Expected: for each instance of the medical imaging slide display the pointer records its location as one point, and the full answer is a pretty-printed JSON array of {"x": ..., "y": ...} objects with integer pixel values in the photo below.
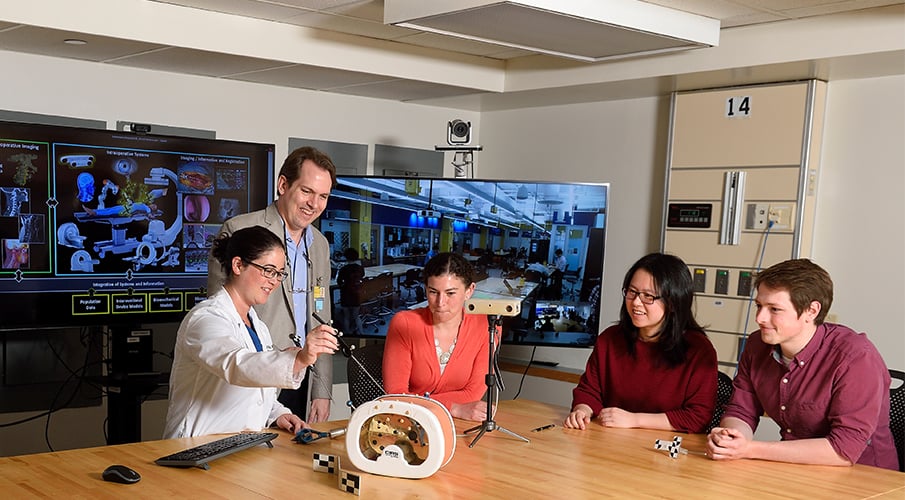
[{"x": 122, "y": 228}]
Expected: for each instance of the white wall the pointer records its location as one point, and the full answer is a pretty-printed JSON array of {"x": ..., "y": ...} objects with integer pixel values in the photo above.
[{"x": 860, "y": 234}]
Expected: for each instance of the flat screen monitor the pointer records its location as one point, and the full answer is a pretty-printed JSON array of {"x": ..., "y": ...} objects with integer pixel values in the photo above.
[
  {"x": 511, "y": 231},
  {"x": 103, "y": 227}
]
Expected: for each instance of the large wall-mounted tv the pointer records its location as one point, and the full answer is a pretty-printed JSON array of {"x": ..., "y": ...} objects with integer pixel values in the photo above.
[
  {"x": 510, "y": 230},
  {"x": 102, "y": 227}
]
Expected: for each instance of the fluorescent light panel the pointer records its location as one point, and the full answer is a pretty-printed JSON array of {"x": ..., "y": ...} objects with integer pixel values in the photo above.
[{"x": 587, "y": 30}]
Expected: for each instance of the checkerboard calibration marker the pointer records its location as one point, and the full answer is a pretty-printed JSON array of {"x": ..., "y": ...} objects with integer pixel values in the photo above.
[
  {"x": 350, "y": 483},
  {"x": 325, "y": 463},
  {"x": 674, "y": 447},
  {"x": 346, "y": 481}
]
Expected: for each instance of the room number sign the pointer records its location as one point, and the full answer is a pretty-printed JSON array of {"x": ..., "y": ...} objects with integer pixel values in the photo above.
[{"x": 738, "y": 107}]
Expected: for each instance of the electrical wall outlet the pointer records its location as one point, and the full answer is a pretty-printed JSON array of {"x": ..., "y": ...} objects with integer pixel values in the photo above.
[{"x": 756, "y": 216}]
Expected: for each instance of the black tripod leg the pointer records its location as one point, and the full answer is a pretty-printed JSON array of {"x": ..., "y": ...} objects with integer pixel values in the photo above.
[{"x": 493, "y": 380}]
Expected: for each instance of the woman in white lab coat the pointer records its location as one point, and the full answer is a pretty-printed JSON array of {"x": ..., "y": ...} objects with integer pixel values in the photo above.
[{"x": 226, "y": 371}]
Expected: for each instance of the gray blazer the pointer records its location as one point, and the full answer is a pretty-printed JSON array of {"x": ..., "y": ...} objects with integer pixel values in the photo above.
[{"x": 277, "y": 312}]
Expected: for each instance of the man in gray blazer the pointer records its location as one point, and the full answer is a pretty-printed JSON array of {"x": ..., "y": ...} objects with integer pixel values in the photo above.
[{"x": 303, "y": 186}]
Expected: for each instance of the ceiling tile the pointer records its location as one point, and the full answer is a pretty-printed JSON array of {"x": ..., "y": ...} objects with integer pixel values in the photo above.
[
  {"x": 404, "y": 90},
  {"x": 749, "y": 19},
  {"x": 349, "y": 25},
  {"x": 197, "y": 62},
  {"x": 716, "y": 9},
  {"x": 247, "y": 8},
  {"x": 797, "y": 10},
  {"x": 320, "y": 4},
  {"x": 45, "y": 41},
  {"x": 309, "y": 77},
  {"x": 781, "y": 5},
  {"x": 370, "y": 10}
]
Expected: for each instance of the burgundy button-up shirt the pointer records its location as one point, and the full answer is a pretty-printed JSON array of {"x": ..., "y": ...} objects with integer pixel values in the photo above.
[{"x": 836, "y": 388}]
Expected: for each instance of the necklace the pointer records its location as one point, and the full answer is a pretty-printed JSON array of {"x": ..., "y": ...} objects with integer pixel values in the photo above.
[{"x": 444, "y": 356}]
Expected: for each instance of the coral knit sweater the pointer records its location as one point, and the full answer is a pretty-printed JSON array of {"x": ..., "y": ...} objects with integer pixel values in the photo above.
[
  {"x": 639, "y": 384},
  {"x": 410, "y": 364}
]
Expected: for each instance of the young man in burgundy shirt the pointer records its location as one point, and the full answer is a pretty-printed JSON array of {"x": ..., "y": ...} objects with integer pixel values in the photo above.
[{"x": 825, "y": 385}]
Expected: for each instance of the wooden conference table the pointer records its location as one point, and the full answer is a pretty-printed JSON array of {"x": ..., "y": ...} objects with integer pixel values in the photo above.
[{"x": 557, "y": 463}]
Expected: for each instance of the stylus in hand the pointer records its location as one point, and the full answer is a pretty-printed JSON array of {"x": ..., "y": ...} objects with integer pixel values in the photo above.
[{"x": 344, "y": 348}]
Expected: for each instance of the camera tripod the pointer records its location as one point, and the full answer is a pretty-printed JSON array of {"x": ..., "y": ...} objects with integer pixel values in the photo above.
[{"x": 494, "y": 382}]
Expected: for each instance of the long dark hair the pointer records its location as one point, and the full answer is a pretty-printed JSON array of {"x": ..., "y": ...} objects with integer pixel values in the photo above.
[
  {"x": 247, "y": 243},
  {"x": 674, "y": 286}
]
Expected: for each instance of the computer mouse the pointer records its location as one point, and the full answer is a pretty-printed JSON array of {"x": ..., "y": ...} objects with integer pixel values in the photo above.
[{"x": 120, "y": 474}]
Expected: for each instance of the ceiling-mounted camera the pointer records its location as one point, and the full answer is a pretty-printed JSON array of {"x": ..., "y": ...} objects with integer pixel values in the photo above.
[{"x": 458, "y": 133}]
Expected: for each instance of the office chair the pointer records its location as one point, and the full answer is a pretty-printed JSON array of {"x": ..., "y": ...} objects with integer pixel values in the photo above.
[
  {"x": 572, "y": 277},
  {"x": 385, "y": 295},
  {"x": 361, "y": 388},
  {"x": 723, "y": 394},
  {"x": 412, "y": 286},
  {"x": 369, "y": 302},
  {"x": 897, "y": 415}
]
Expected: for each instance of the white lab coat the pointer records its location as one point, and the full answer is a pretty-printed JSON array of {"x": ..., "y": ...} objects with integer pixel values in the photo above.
[{"x": 219, "y": 382}]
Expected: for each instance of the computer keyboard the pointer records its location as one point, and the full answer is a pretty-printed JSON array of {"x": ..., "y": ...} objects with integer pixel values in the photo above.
[{"x": 199, "y": 456}]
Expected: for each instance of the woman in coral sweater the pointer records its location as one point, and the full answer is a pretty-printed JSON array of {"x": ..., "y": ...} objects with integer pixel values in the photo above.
[
  {"x": 655, "y": 369},
  {"x": 439, "y": 350}
]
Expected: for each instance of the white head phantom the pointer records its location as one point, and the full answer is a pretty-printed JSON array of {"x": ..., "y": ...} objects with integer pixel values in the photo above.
[{"x": 401, "y": 436}]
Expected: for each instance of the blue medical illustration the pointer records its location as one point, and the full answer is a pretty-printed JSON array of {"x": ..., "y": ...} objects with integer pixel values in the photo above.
[{"x": 85, "y": 183}]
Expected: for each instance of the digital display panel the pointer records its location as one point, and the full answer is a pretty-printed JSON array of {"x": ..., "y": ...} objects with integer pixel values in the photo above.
[{"x": 103, "y": 227}]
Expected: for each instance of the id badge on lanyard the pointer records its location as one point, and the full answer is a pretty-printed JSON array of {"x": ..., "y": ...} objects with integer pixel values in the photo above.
[{"x": 319, "y": 295}]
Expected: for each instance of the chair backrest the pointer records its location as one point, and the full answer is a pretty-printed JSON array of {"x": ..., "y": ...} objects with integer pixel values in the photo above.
[
  {"x": 386, "y": 282},
  {"x": 371, "y": 288},
  {"x": 723, "y": 394},
  {"x": 412, "y": 277},
  {"x": 361, "y": 386},
  {"x": 572, "y": 274},
  {"x": 897, "y": 414}
]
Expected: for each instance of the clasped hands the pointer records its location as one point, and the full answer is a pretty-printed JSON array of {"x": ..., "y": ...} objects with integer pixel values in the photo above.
[{"x": 726, "y": 443}]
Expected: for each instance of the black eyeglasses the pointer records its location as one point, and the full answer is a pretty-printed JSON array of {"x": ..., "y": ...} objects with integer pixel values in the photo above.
[
  {"x": 646, "y": 298},
  {"x": 269, "y": 272}
]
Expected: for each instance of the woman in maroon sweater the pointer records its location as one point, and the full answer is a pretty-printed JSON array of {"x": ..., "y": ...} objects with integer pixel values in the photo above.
[{"x": 655, "y": 369}]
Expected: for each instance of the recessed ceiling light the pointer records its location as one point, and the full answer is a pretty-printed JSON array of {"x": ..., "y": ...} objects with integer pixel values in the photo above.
[{"x": 74, "y": 41}]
